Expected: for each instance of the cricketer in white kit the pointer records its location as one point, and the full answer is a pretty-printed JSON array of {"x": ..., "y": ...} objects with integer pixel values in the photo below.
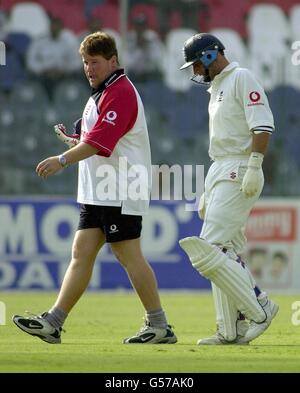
[{"x": 240, "y": 126}]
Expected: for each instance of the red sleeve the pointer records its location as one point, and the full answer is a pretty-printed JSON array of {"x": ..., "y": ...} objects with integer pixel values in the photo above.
[{"x": 118, "y": 112}]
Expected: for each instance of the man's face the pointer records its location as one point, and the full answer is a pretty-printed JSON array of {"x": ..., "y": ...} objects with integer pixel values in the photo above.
[
  {"x": 213, "y": 68},
  {"x": 198, "y": 68},
  {"x": 200, "y": 72},
  {"x": 97, "y": 68}
]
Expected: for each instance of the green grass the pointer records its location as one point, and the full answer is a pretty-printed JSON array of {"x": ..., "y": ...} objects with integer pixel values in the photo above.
[{"x": 99, "y": 322}]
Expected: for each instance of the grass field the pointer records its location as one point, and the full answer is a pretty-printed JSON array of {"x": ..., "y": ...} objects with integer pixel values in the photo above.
[{"x": 96, "y": 327}]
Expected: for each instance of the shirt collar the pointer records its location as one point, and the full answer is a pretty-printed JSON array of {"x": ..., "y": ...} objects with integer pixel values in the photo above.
[
  {"x": 109, "y": 80},
  {"x": 231, "y": 66}
]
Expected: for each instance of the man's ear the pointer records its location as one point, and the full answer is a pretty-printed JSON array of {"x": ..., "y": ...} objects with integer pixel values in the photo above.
[{"x": 114, "y": 60}]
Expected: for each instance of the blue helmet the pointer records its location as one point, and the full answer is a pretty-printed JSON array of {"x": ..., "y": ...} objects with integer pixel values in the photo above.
[{"x": 201, "y": 47}]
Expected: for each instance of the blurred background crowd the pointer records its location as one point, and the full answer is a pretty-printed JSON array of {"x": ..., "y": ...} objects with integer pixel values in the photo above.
[{"x": 42, "y": 83}]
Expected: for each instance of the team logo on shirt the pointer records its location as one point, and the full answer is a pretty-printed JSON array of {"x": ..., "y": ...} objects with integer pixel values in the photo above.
[
  {"x": 255, "y": 98},
  {"x": 110, "y": 117},
  {"x": 220, "y": 96}
]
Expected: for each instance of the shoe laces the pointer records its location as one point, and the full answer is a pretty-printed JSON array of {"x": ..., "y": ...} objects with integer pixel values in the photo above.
[
  {"x": 147, "y": 326},
  {"x": 36, "y": 316},
  {"x": 218, "y": 334},
  {"x": 41, "y": 316}
]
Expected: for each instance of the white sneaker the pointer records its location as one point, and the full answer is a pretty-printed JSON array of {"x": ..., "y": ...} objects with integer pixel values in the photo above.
[
  {"x": 218, "y": 338},
  {"x": 38, "y": 326},
  {"x": 151, "y": 335},
  {"x": 256, "y": 329}
]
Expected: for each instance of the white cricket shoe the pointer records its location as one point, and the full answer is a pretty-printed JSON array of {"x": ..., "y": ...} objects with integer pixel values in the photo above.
[
  {"x": 256, "y": 329},
  {"x": 152, "y": 335},
  {"x": 218, "y": 338},
  {"x": 38, "y": 326}
]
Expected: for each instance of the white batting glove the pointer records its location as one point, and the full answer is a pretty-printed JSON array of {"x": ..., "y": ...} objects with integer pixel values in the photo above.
[
  {"x": 254, "y": 177},
  {"x": 61, "y": 132}
]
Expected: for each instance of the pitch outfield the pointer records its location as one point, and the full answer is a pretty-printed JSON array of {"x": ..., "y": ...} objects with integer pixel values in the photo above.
[{"x": 97, "y": 325}]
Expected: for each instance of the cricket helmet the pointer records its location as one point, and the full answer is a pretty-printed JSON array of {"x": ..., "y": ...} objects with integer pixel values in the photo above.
[{"x": 201, "y": 47}]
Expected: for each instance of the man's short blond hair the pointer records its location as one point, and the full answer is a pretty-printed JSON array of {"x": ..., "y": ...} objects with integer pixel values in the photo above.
[{"x": 99, "y": 43}]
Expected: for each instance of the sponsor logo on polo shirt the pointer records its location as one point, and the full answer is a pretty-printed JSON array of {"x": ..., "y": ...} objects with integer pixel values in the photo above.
[
  {"x": 110, "y": 117},
  {"x": 255, "y": 98}
]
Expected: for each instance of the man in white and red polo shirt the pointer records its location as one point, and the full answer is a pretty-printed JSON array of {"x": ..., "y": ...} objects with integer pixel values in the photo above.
[{"x": 113, "y": 189}]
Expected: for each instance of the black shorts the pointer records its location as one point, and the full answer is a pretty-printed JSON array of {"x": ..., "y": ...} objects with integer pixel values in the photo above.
[{"x": 115, "y": 226}]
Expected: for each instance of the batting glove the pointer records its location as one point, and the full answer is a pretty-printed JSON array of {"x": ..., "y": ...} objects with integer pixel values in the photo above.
[
  {"x": 61, "y": 132},
  {"x": 254, "y": 178}
]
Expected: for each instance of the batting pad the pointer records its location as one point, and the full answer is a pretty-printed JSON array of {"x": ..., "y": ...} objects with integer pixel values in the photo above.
[
  {"x": 227, "y": 314},
  {"x": 226, "y": 274}
]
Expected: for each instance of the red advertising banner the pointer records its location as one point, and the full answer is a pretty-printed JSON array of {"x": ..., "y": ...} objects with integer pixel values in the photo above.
[
  {"x": 272, "y": 224},
  {"x": 273, "y": 248}
]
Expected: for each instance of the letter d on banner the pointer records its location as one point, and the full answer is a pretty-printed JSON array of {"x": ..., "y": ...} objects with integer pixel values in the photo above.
[
  {"x": 2, "y": 53},
  {"x": 2, "y": 313}
]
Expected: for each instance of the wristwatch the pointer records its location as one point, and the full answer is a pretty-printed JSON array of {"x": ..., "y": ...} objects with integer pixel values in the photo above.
[{"x": 62, "y": 160}]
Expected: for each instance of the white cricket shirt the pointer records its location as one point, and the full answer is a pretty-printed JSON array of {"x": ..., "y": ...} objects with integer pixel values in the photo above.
[{"x": 238, "y": 106}]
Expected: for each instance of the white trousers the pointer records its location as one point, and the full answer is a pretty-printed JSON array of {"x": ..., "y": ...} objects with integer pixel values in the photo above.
[
  {"x": 226, "y": 208},
  {"x": 226, "y": 213}
]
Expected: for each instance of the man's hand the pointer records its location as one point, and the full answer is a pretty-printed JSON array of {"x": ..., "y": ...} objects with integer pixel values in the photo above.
[
  {"x": 48, "y": 167},
  {"x": 254, "y": 178},
  {"x": 61, "y": 132}
]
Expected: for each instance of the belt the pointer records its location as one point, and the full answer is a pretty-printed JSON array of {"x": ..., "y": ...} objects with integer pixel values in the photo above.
[{"x": 232, "y": 157}]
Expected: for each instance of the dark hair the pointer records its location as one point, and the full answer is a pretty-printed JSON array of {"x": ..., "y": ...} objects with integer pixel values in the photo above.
[{"x": 99, "y": 43}]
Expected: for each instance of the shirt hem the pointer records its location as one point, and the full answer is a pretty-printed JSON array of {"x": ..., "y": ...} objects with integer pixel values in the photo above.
[{"x": 125, "y": 210}]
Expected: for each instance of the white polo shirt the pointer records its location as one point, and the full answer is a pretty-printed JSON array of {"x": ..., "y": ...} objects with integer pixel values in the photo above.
[
  {"x": 119, "y": 174},
  {"x": 238, "y": 107}
]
